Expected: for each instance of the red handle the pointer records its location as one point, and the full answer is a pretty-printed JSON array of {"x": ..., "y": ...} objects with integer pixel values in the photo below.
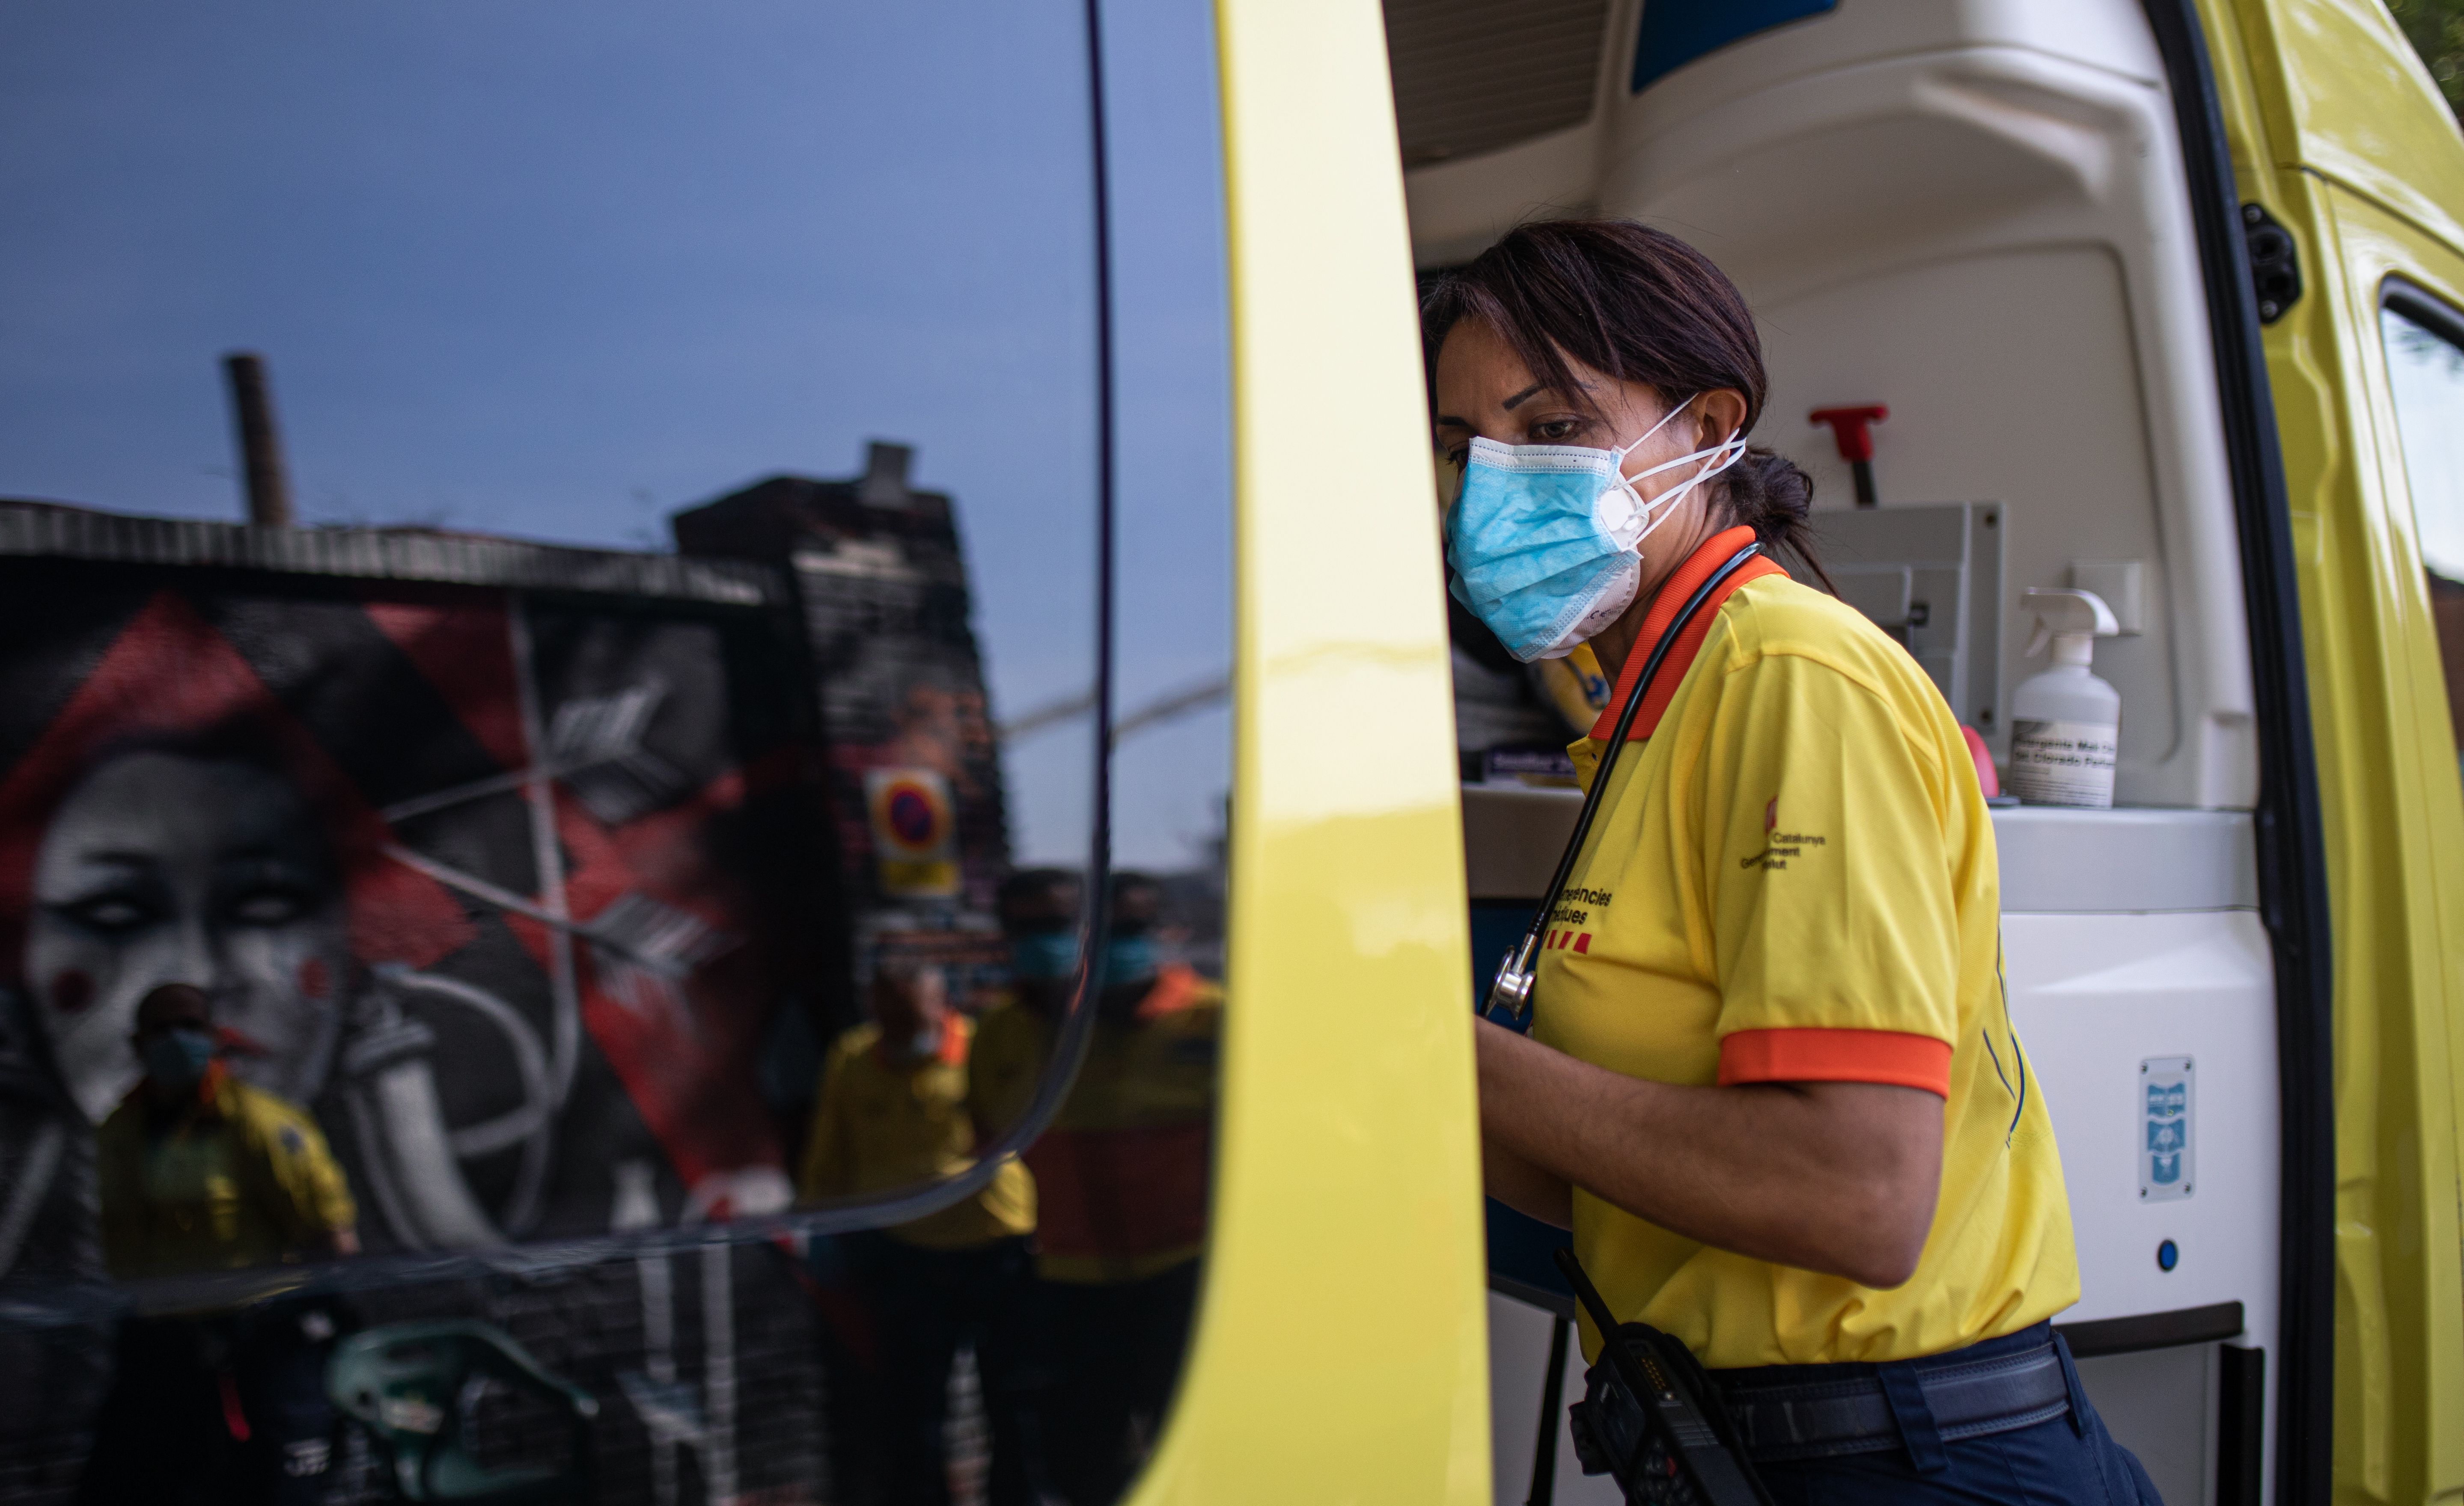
[{"x": 1849, "y": 427}]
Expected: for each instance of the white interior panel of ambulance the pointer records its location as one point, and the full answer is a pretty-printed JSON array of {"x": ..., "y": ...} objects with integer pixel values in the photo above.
[{"x": 1974, "y": 214}]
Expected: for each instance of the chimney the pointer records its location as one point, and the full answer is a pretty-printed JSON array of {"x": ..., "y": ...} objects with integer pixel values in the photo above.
[
  {"x": 885, "y": 475},
  {"x": 260, "y": 447}
]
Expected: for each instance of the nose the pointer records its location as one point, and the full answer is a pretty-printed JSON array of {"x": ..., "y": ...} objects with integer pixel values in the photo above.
[{"x": 200, "y": 957}]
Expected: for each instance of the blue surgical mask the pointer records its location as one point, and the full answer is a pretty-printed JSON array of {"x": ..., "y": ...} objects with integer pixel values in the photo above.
[
  {"x": 1546, "y": 539},
  {"x": 1127, "y": 960},
  {"x": 1044, "y": 956},
  {"x": 177, "y": 1058}
]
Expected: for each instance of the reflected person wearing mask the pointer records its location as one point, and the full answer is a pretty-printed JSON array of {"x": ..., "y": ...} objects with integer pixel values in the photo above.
[
  {"x": 892, "y": 1113},
  {"x": 1121, "y": 1173},
  {"x": 201, "y": 1172}
]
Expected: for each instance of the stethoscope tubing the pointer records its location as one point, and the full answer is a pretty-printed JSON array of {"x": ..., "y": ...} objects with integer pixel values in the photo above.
[{"x": 1519, "y": 961}]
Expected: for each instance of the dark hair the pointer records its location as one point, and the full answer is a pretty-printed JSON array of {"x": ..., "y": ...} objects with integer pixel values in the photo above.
[
  {"x": 188, "y": 1000},
  {"x": 1028, "y": 885},
  {"x": 1641, "y": 306},
  {"x": 1138, "y": 900}
]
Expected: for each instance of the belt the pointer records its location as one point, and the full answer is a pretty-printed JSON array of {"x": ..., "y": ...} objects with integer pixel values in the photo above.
[{"x": 1843, "y": 1414}]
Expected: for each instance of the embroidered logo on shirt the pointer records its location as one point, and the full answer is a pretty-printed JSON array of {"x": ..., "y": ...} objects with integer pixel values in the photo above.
[{"x": 1779, "y": 846}]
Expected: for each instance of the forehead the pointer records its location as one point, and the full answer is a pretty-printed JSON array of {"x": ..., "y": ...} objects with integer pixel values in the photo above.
[
  {"x": 1059, "y": 894},
  {"x": 153, "y": 1010},
  {"x": 1478, "y": 370},
  {"x": 170, "y": 804}
]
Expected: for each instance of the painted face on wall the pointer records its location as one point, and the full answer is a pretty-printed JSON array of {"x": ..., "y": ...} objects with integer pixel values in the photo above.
[{"x": 168, "y": 867}]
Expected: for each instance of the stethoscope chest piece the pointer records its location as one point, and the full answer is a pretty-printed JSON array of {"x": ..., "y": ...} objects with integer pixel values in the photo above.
[{"x": 1509, "y": 994}]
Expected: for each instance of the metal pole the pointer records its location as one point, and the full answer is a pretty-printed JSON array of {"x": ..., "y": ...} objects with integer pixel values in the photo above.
[
  {"x": 1552, "y": 1394},
  {"x": 260, "y": 447}
]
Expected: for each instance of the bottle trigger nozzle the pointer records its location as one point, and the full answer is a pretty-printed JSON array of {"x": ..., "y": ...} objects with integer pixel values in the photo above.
[{"x": 2071, "y": 620}]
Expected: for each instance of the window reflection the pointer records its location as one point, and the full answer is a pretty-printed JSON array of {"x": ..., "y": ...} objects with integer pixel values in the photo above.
[
  {"x": 1059, "y": 1297},
  {"x": 631, "y": 806},
  {"x": 2425, "y": 375}
]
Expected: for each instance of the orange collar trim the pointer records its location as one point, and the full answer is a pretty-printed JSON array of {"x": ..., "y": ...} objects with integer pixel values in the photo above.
[
  {"x": 952, "y": 1052},
  {"x": 1698, "y": 566},
  {"x": 1176, "y": 987}
]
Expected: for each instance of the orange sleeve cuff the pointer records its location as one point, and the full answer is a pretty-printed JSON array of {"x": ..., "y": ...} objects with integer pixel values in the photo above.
[{"x": 1807, "y": 1054}]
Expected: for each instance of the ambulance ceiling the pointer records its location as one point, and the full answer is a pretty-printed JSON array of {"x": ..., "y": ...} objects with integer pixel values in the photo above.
[{"x": 1475, "y": 75}]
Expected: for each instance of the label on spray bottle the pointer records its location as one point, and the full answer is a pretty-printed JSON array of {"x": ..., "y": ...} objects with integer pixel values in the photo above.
[{"x": 2062, "y": 763}]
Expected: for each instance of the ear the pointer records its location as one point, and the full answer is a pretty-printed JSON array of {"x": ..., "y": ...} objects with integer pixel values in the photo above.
[{"x": 1724, "y": 413}]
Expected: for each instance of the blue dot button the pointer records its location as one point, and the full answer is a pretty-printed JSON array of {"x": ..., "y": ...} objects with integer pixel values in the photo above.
[{"x": 2169, "y": 1254}]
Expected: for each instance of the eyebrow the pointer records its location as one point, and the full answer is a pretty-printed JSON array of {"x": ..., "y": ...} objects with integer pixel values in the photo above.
[
  {"x": 1449, "y": 421},
  {"x": 121, "y": 858}
]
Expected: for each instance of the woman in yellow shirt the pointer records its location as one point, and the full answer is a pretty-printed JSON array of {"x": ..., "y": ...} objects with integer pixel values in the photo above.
[{"x": 1770, "y": 1084}]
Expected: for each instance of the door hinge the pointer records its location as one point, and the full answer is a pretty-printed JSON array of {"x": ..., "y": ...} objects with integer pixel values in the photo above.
[{"x": 2274, "y": 263}]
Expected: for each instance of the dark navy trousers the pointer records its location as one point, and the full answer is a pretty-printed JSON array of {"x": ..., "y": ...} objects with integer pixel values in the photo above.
[{"x": 2068, "y": 1461}]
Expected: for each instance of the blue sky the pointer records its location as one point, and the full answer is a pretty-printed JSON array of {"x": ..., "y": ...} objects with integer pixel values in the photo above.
[{"x": 521, "y": 274}]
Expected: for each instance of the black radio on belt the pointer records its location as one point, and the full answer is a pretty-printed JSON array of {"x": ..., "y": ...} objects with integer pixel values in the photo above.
[{"x": 1650, "y": 1419}]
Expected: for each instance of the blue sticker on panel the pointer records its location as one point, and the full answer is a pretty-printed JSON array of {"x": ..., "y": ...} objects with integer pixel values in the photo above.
[
  {"x": 2167, "y": 1127},
  {"x": 1677, "y": 31}
]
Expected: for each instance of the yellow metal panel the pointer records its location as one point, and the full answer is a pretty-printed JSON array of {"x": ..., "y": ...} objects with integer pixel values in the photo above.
[
  {"x": 2346, "y": 96},
  {"x": 2333, "y": 130},
  {"x": 1341, "y": 1352},
  {"x": 2396, "y": 1111}
]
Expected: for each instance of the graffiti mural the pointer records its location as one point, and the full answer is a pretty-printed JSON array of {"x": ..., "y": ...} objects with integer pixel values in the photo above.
[{"x": 504, "y": 888}]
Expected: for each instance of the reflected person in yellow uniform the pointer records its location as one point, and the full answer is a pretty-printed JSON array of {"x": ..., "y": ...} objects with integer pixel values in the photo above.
[
  {"x": 1120, "y": 1174},
  {"x": 1771, "y": 1084},
  {"x": 892, "y": 1113},
  {"x": 200, "y": 1172}
]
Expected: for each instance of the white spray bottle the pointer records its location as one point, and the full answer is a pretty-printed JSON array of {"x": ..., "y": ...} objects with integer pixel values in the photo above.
[{"x": 2065, "y": 723}]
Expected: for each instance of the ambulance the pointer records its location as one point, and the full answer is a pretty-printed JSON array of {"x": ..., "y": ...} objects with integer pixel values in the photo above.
[{"x": 617, "y": 747}]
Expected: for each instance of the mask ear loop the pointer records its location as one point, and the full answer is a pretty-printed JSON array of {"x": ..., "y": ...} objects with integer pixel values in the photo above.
[
  {"x": 1657, "y": 510},
  {"x": 1728, "y": 451}
]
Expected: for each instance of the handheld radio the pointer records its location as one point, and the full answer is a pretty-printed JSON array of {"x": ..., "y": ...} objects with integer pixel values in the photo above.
[{"x": 1651, "y": 1420}]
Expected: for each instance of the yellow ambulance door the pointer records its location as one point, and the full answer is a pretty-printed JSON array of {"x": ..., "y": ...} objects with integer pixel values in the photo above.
[{"x": 2351, "y": 176}]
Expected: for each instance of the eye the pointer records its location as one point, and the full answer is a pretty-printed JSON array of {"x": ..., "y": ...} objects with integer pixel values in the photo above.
[
  {"x": 112, "y": 913},
  {"x": 269, "y": 908},
  {"x": 1556, "y": 431}
]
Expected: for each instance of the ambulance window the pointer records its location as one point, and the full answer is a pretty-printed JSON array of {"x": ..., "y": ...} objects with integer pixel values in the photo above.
[
  {"x": 551, "y": 598},
  {"x": 2425, "y": 349}
]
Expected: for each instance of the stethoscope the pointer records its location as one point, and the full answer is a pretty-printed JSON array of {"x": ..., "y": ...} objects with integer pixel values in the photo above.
[{"x": 1511, "y": 991}]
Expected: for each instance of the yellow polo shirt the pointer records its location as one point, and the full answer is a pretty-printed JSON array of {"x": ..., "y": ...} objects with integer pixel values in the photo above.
[
  {"x": 880, "y": 1124},
  {"x": 1793, "y": 878},
  {"x": 239, "y": 1178}
]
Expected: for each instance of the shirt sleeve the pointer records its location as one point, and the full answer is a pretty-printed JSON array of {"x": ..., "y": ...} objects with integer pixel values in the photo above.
[
  {"x": 120, "y": 1170},
  {"x": 1001, "y": 1070},
  {"x": 1835, "y": 927},
  {"x": 316, "y": 1196},
  {"x": 824, "y": 1172}
]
